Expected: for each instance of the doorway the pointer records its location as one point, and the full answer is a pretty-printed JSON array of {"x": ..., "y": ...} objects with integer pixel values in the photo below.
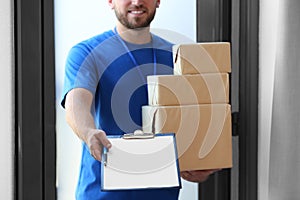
[{"x": 36, "y": 100}]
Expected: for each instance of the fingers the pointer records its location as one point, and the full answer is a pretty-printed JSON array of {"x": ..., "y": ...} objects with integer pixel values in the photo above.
[
  {"x": 96, "y": 141},
  {"x": 186, "y": 175},
  {"x": 192, "y": 177},
  {"x": 96, "y": 153},
  {"x": 103, "y": 139},
  {"x": 197, "y": 175}
]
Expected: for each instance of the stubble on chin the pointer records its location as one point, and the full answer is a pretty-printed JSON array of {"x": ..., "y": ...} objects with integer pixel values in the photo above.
[{"x": 135, "y": 22}]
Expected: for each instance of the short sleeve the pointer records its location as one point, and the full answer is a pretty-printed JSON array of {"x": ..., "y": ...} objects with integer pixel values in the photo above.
[{"x": 80, "y": 70}]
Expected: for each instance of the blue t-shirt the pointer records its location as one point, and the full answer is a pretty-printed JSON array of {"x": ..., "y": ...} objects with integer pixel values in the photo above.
[{"x": 115, "y": 72}]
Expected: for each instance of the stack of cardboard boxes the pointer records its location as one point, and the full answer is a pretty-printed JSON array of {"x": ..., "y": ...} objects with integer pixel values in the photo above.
[{"x": 194, "y": 104}]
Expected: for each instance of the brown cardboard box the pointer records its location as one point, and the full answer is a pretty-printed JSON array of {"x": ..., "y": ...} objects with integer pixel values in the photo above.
[
  {"x": 188, "y": 89},
  {"x": 202, "y": 58},
  {"x": 203, "y": 133}
]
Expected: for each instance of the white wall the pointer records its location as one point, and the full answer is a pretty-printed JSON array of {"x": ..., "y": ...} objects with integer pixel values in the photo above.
[
  {"x": 76, "y": 20},
  {"x": 268, "y": 39},
  {"x": 6, "y": 100}
]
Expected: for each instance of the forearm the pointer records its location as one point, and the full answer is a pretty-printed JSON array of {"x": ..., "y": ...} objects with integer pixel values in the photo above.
[
  {"x": 82, "y": 123},
  {"x": 79, "y": 117},
  {"x": 78, "y": 114}
]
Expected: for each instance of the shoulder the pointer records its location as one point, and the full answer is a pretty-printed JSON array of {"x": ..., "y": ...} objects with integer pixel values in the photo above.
[
  {"x": 90, "y": 46},
  {"x": 93, "y": 42}
]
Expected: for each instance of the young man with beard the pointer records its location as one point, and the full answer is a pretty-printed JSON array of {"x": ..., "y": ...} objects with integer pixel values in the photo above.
[{"x": 105, "y": 87}]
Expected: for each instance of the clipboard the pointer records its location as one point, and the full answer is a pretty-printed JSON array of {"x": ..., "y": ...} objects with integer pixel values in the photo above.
[{"x": 140, "y": 161}]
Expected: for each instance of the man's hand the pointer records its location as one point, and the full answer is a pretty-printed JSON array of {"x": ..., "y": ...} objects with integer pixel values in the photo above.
[
  {"x": 95, "y": 141},
  {"x": 197, "y": 176}
]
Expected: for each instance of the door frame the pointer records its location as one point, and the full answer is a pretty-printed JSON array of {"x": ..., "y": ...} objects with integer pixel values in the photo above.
[
  {"x": 220, "y": 20},
  {"x": 249, "y": 76},
  {"x": 35, "y": 161}
]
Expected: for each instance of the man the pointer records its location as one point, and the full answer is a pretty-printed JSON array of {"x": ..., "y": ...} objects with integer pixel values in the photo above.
[{"x": 105, "y": 88}]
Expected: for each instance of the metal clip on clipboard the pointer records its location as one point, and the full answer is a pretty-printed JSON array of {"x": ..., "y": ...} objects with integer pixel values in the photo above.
[{"x": 138, "y": 134}]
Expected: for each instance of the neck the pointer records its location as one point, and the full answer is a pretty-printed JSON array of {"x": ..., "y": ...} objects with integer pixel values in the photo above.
[{"x": 136, "y": 36}]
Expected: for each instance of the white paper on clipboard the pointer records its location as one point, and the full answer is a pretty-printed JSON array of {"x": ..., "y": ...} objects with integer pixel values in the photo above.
[{"x": 141, "y": 163}]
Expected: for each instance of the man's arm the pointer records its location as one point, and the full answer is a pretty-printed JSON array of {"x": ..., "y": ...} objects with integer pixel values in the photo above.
[{"x": 79, "y": 117}]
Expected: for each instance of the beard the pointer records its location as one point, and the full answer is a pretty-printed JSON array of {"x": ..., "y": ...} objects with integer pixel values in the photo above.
[{"x": 135, "y": 22}]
